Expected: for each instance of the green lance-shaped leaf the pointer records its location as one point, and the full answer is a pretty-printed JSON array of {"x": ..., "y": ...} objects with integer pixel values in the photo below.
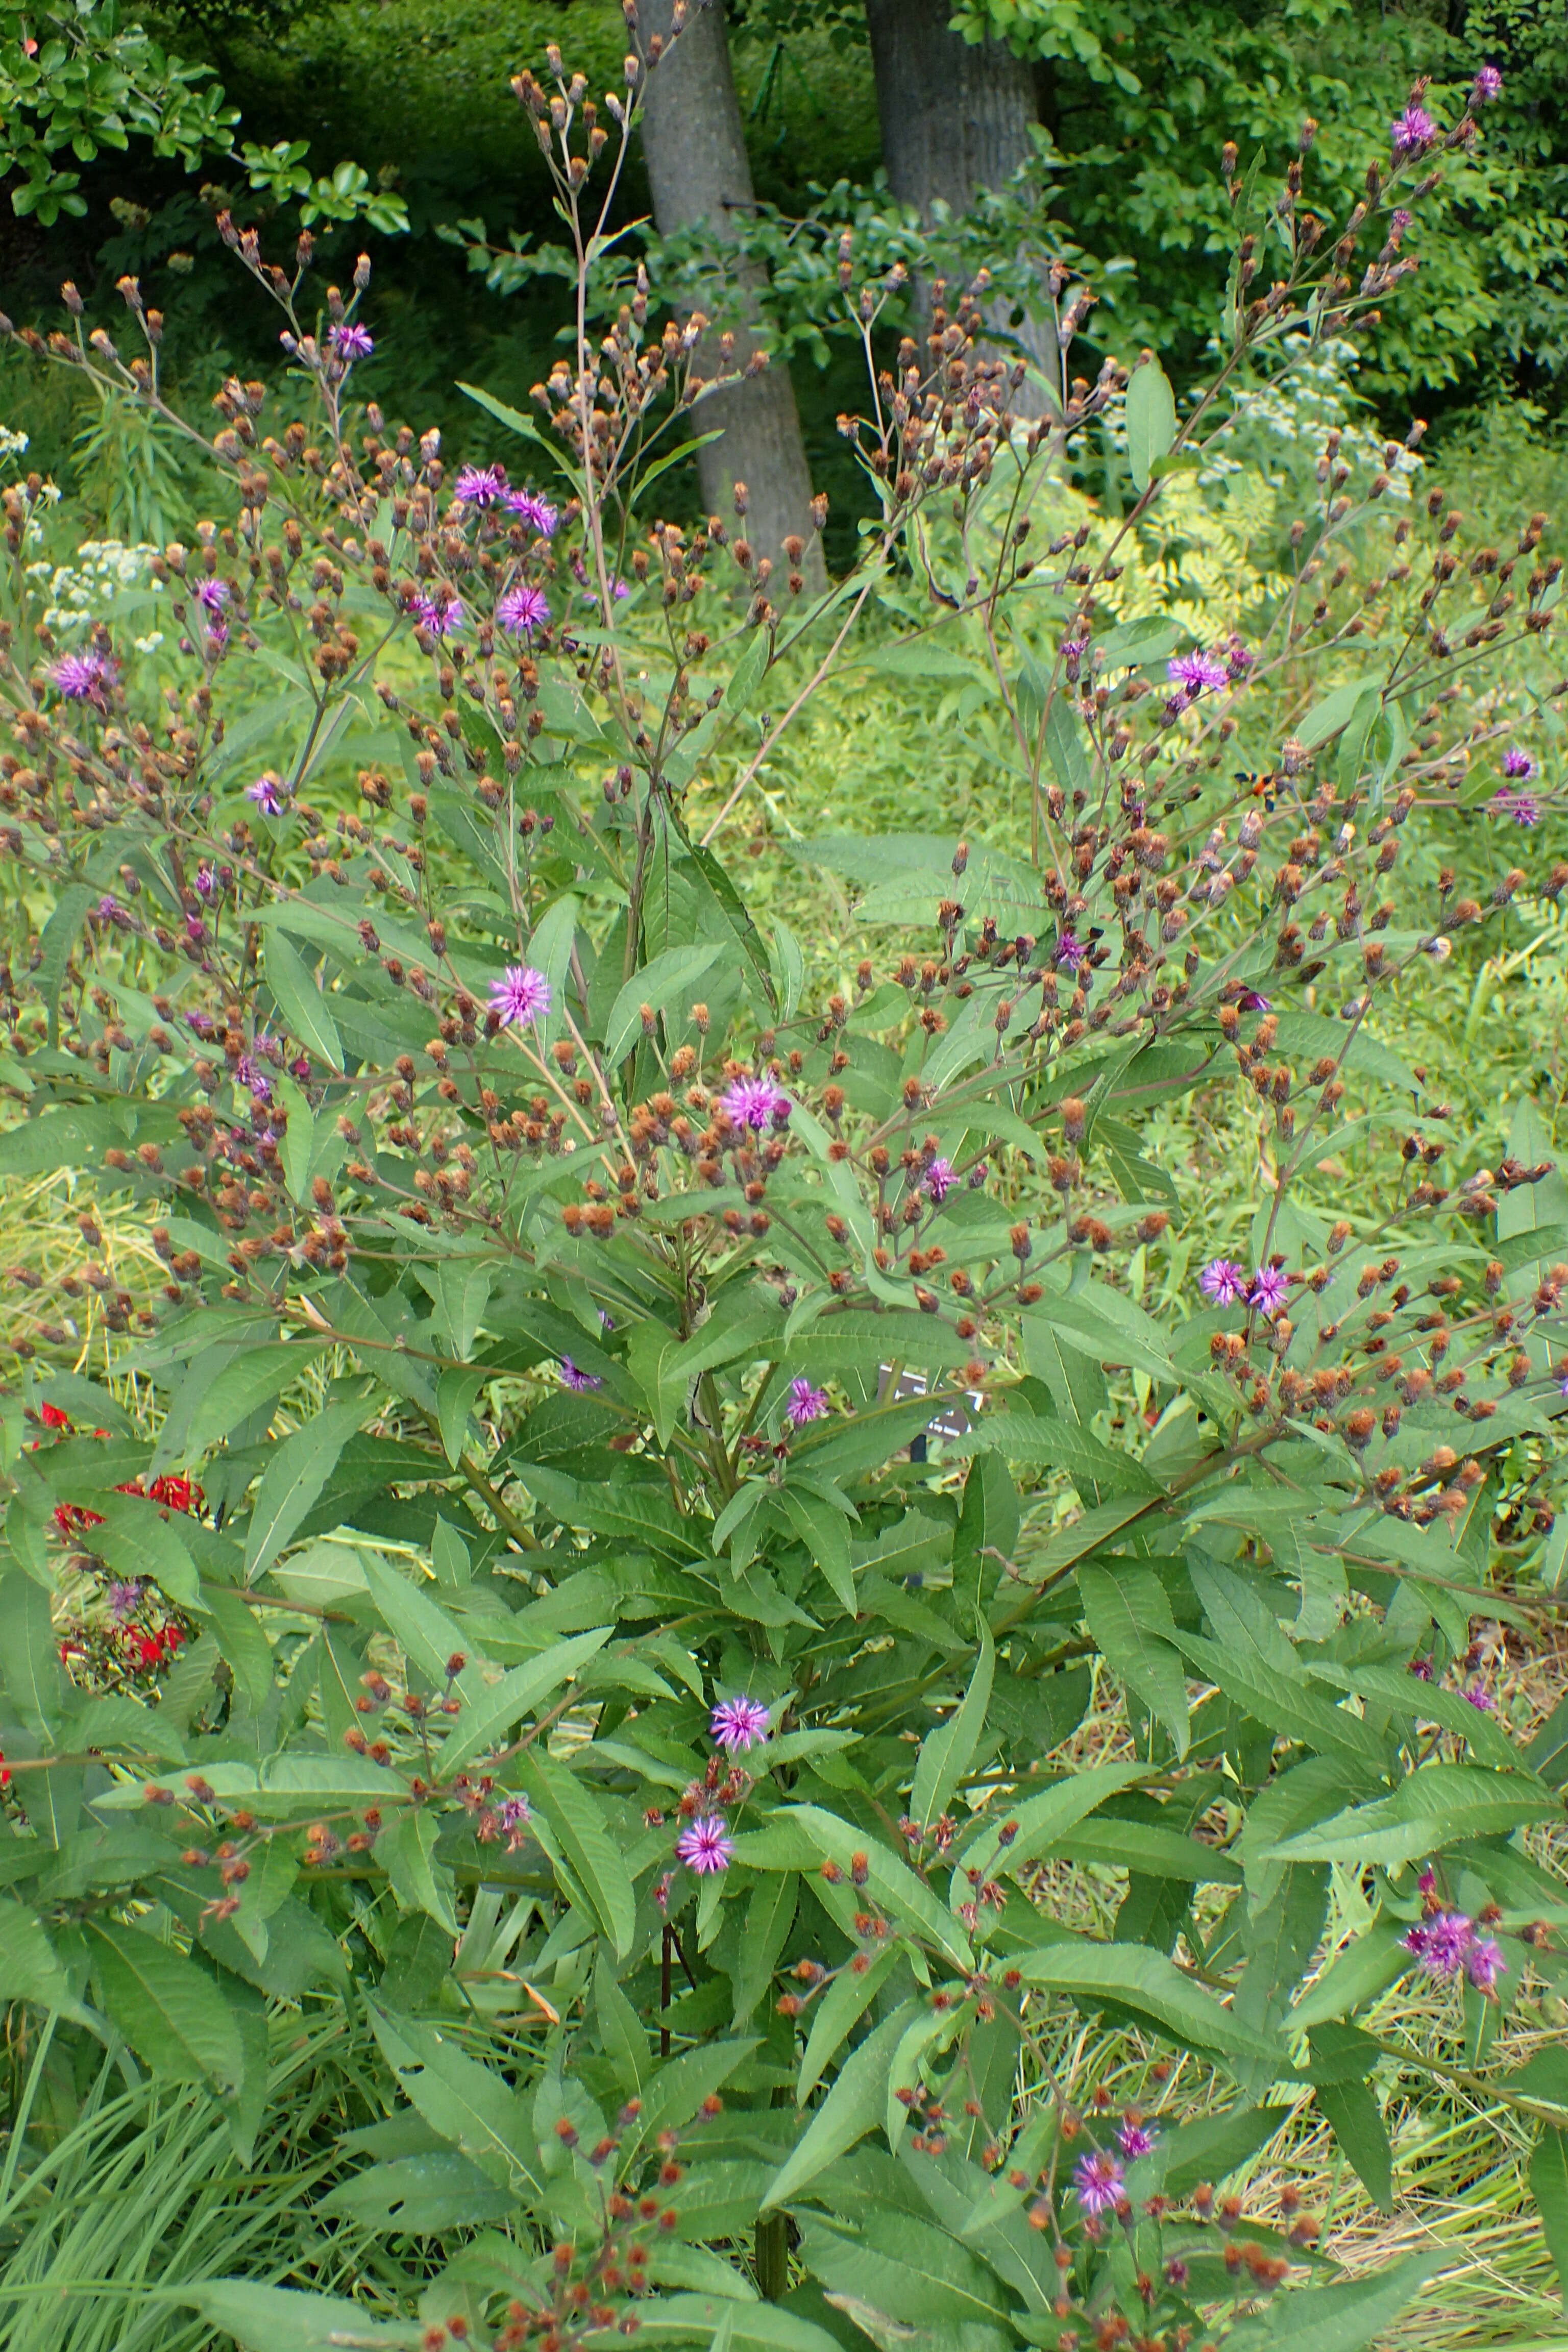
[
  {"x": 665, "y": 980},
  {"x": 467, "y": 2103},
  {"x": 487, "y": 1722},
  {"x": 170, "y": 2010},
  {"x": 946, "y": 1752},
  {"x": 301, "y": 1001},
  {"x": 1431, "y": 1808},
  {"x": 856, "y": 2104},
  {"x": 1345, "y": 2317},
  {"x": 1151, "y": 419},
  {"x": 1549, "y": 2187},
  {"x": 586, "y": 1846},
  {"x": 1129, "y": 1615},
  {"x": 282, "y": 2319},
  {"x": 293, "y": 1480},
  {"x": 1135, "y": 1978},
  {"x": 834, "y": 2015}
]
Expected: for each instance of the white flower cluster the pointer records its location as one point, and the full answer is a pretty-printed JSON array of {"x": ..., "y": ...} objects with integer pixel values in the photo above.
[
  {"x": 12, "y": 444},
  {"x": 83, "y": 590},
  {"x": 1307, "y": 402}
]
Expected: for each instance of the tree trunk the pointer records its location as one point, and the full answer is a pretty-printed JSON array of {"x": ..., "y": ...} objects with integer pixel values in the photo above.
[
  {"x": 699, "y": 173},
  {"x": 956, "y": 117}
]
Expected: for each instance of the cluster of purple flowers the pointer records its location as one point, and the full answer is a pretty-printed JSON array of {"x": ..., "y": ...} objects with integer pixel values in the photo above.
[
  {"x": 755, "y": 1102},
  {"x": 485, "y": 487},
  {"x": 1226, "y": 1284},
  {"x": 1446, "y": 1943}
]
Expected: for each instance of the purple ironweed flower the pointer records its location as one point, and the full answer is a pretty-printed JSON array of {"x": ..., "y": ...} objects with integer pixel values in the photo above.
[
  {"x": 705, "y": 1844},
  {"x": 1249, "y": 1001},
  {"x": 1177, "y": 2271},
  {"x": 202, "y": 1022},
  {"x": 1097, "y": 2181},
  {"x": 195, "y": 930},
  {"x": 81, "y": 677},
  {"x": 582, "y": 1383},
  {"x": 481, "y": 486},
  {"x": 349, "y": 341},
  {"x": 1238, "y": 659},
  {"x": 442, "y": 615},
  {"x": 212, "y": 594},
  {"x": 536, "y": 512},
  {"x": 269, "y": 792},
  {"x": 1523, "y": 807},
  {"x": 1414, "y": 130},
  {"x": 754, "y": 1101},
  {"x": 1481, "y": 1698},
  {"x": 217, "y": 635},
  {"x": 1441, "y": 1944},
  {"x": 1222, "y": 1281},
  {"x": 513, "y": 1814},
  {"x": 938, "y": 1179},
  {"x": 1517, "y": 763},
  {"x": 1270, "y": 1288},
  {"x": 1484, "y": 1963},
  {"x": 606, "y": 1322},
  {"x": 739, "y": 1724},
  {"x": 1073, "y": 652},
  {"x": 1194, "y": 671},
  {"x": 205, "y": 882},
  {"x": 300, "y": 1068},
  {"x": 108, "y": 907},
  {"x": 250, "y": 1073},
  {"x": 806, "y": 1403},
  {"x": 122, "y": 1599},
  {"x": 1428, "y": 1882},
  {"x": 523, "y": 609},
  {"x": 1069, "y": 952},
  {"x": 1488, "y": 85},
  {"x": 1134, "y": 2139},
  {"x": 521, "y": 994},
  {"x": 1422, "y": 1669}
]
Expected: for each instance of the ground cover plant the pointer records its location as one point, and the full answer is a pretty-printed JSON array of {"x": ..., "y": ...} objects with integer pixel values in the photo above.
[{"x": 773, "y": 1632}]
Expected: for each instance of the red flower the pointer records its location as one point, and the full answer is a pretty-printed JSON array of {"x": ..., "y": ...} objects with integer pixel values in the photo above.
[
  {"x": 173, "y": 1635},
  {"x": 151, "y": 1649},
  {"x": 53, "y": 1418},
  {"x": 179, "y": 1493},
  {"x": 72, "y": 1518},
  {"x": 5, "y": 1770}
]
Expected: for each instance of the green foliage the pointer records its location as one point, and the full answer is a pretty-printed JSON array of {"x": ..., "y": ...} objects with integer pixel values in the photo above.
[{"x": 562, "y": 1543}]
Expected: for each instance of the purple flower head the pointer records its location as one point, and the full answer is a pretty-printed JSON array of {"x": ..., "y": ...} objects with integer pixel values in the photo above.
[
  {"x": 1422, "y": 1669},
  {"x": 1488, "y": 85},
  {"x": 938, "y": 1179},
  {"x": 1134, "y": 2139},
  {"x": 1522, "y": 807},
  {"x": 122, "y": 1599},
  {"x": 250, "y": 1073},
  {"x": 1194, "y": 671},
  {"x": 1097, "y": 2179},
  {"x": 349, "y": 341},
  {"x": 606, "y": 1322},
  {"x": 269, "y": 792},
  {"x": 212, "y": 594},
  {"x": 1428, "y": 1882},
  {"x": 755, "y": 1102},
  {"x": 1069, "y": 952},
  {"x": 521, "y": 995},
  {"x": 108, "y": 908},
  {"x": 1484, "y": 1963},
  {"x": 216, "y": 636},
  {"x": 1249, "y": 1001},
  {"x": 806, "y": 1403},
  {"x": 202, "y": 1022},
  {"x": 300, "y": 1068},
  {"x": 1481, "y": 1698},
  {"x": 195, "y": 930},
  {"x": 1517, "y": 764},
  {"x": 1268, "y": 1290},
  {"x": 513, "y": 1814},
  {"x": 205, "y": 882},
  {"x": 1440, "y": 1943},
  {"x": 1222, "y": 1281},
  {"x": 81, "y": 677},
  {"x": 536, "y": 513},
  {"x": 739, "y": 1724},
  {"x": 523, "y": 609},
  {"x": 441, "y": 614},
  {"x": 581, "y": 1383},
  {"x": 1414, "y": 130},
  {"x": 705, "y": 1844},
  {"x": 1238, "y": 659},
  {"x": 481, "y": 486}
]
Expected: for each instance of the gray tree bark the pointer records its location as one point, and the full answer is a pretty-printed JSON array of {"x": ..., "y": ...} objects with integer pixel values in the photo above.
[
  {"x": 955, "y": 119},
  {"x": 695, "y": 148}
]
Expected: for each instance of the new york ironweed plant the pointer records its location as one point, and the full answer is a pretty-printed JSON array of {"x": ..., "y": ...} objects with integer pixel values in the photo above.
[{"x": 500, "y": 1580}]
